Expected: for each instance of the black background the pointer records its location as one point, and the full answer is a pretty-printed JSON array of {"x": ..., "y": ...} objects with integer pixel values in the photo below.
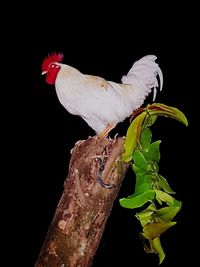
[{"x": 101, "y": 41}]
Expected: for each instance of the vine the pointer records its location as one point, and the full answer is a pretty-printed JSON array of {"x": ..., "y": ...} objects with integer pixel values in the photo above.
[{"x": 150, "y": 187}]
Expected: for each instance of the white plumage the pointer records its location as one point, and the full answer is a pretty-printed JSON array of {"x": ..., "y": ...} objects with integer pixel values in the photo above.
[{"x": 103, "y": 104}]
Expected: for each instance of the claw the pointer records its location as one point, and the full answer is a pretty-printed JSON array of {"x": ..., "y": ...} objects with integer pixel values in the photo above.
[{"x": 105, "y": 185}]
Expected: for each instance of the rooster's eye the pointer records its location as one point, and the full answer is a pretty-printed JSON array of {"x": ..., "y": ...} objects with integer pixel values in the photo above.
[{"x": 54, "y": 66}]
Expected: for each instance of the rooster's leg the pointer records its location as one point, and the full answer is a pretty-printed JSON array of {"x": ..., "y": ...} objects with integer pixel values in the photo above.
[{"x": 107, "y": 130}]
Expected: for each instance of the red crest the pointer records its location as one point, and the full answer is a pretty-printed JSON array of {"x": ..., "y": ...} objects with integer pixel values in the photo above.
[{"x": 50, "y": 59}]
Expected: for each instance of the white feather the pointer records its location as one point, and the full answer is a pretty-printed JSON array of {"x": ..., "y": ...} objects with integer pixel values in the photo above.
[{"x": 145, "y": 70}]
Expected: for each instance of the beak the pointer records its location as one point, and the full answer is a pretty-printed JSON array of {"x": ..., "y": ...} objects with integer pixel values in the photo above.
[{"x": 44, "y": 72}]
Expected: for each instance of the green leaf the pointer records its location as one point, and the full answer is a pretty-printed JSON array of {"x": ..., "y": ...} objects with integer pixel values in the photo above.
[
  {"x": 167, "y": 111},
  {"x": 164, "y": 185},
  {"x": 143, "y": 187},
  {"x": 143, "y": 182},
  {"x": 149, "y": 121},
  {"x": 164, "y": 197},
  {"x": 146, "y": 139},
  {"x": 153, "y": 153},
  {"x": 158, "y": 249},
  {"x": 167, "y": 213},
  {"x": 146, "y": 216},
  {"x": 167, "y": 198},
  {"x": 133, "y": 136},
  {"x": 140, "y": 161},
  {"x": 136, "y": 201},
  {"x": 137, "y": 170},
  {"x": 153, "y": 230}
]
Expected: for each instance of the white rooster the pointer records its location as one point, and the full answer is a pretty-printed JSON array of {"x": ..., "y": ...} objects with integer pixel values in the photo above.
[{"x": 102, "y": 104}]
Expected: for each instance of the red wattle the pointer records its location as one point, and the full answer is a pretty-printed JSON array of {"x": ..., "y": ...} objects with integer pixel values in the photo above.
[{"x": 51, "y": 75}]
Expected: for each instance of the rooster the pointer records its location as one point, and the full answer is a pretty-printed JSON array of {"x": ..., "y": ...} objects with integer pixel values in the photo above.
[{"x": 102, "y": 104}]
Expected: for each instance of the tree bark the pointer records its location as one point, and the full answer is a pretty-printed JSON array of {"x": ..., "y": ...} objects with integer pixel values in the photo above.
[{"x": 85, "y": 204}]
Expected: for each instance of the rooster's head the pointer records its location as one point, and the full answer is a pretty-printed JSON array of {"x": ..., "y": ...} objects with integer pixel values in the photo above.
[{"x": 50, "y": 67}]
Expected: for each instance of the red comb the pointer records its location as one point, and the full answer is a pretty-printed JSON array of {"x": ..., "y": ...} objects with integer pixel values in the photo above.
[{"x": 50, "y": 59}]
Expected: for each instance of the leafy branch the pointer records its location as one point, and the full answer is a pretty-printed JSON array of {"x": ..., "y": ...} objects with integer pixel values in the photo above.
[{"x": 150, "y": 186}]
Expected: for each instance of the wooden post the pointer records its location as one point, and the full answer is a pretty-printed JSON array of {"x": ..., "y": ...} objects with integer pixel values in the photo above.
[{"x": 85, "y": 205}]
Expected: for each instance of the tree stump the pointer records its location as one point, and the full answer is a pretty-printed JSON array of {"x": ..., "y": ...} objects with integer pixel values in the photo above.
[{"x": 93, "y": 182}]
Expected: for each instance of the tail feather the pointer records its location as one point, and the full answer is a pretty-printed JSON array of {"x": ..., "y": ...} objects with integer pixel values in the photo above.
[{"x": 145, "y": 71}]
